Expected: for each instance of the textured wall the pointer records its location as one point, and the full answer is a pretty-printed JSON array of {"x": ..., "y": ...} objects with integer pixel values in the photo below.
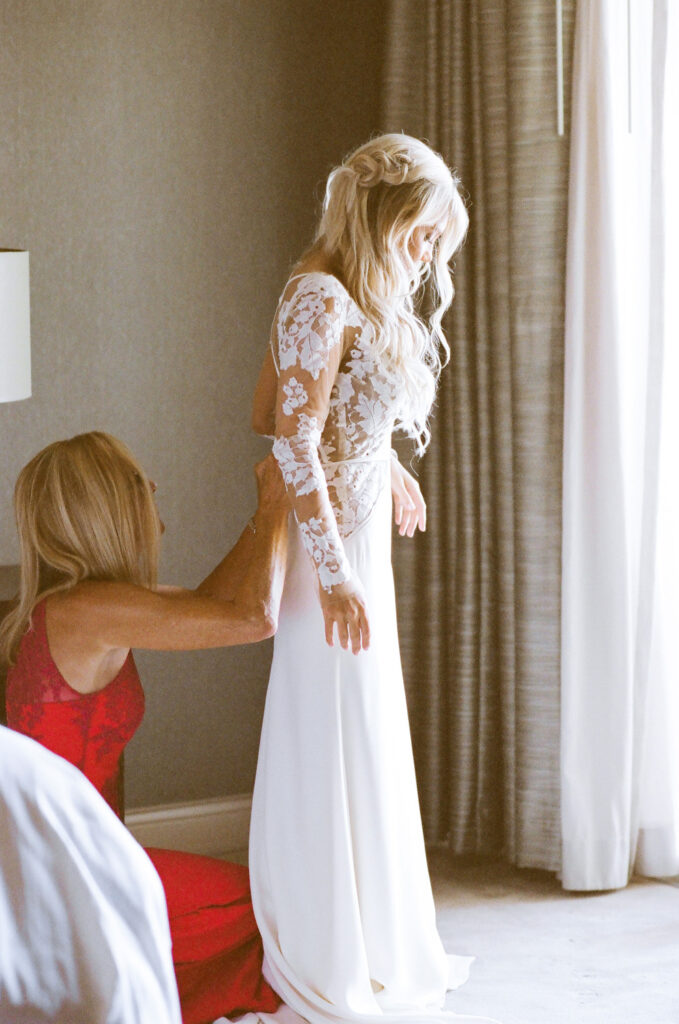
[{"x": 162, "y": 162}]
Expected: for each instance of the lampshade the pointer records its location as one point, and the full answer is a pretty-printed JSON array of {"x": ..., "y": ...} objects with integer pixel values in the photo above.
[{"x": 15, "y": 326}]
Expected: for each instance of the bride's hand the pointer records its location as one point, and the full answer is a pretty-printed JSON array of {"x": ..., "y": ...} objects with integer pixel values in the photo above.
[
  {"x": 410, "y": 510},
  {"x": 344, "y": 607}
]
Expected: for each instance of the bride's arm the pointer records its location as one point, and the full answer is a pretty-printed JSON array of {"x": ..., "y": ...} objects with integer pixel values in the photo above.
[{"x": 308, "y": 341}]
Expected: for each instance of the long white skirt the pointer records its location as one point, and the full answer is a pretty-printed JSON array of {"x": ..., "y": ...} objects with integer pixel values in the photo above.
[{"x": 340, "y": 884}]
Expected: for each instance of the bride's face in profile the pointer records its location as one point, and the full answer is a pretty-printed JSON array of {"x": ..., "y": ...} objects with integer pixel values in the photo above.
[{"x": 422, "y": 241}]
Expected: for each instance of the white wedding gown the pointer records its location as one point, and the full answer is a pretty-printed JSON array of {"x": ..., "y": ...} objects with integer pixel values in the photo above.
[{"x": 339, "y": 877}]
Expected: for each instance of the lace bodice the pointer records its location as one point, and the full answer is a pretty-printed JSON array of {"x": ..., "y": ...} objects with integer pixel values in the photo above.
[{"x": 335, "y": 410}]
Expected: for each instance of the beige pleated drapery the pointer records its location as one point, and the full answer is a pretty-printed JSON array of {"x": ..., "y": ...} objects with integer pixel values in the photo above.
[{"x": 479, "y": 593}]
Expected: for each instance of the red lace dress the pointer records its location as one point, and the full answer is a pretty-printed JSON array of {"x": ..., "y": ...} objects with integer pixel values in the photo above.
[{"x": 216, "y": 948}]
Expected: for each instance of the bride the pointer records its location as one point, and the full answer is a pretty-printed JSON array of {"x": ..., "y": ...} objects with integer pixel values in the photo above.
[{"x": 339, "y": 878}]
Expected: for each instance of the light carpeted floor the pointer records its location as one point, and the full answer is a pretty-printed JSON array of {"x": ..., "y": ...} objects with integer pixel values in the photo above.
[
  {"x": 544, "y": 956},
  {"x": 549, "y": 957}
]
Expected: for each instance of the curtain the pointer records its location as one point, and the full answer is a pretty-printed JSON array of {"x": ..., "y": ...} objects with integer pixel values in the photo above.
[
  {"x": 620, "y": 659},
  {"x": 479, "y": 593}
]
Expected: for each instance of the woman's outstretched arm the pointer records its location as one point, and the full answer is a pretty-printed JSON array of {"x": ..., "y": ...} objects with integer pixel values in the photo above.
[
  {"x": 226, "y": 579},
  {"x": 97, "y": 617}
]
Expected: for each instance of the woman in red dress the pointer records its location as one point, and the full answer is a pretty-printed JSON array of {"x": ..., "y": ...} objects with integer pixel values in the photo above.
[{"x": 89, "y": 533}]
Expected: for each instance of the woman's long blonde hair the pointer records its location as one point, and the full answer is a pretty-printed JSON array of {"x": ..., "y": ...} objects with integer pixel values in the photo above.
[
  {"x": 373, "y": 203},
  {"x": 84, "y": 510}
]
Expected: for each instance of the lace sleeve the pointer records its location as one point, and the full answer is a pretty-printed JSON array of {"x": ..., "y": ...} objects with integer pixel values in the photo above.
[{"x": 307, "y": 345}]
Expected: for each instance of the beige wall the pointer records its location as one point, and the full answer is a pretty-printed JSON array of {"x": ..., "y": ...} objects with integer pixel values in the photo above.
[{"x": 162, "y": 162}]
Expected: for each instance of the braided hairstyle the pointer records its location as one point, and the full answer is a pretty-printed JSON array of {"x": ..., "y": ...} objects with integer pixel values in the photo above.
[{"x": 374, "y": 202}]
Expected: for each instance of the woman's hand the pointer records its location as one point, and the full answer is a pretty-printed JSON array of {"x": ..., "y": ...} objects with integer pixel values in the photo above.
[
  {"x": 270, "y": 486},
  {"x": 344, "y": 607},
  {"x": 264, "y": 402},
  {"x": 410, "y": 510}
]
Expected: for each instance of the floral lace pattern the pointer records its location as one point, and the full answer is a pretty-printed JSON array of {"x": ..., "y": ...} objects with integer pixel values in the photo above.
[
  {"x": 335, "y": 412},
  {"x": 295, "y": 395}
]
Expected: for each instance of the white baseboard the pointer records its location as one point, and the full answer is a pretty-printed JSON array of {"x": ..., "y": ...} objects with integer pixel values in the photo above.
[{"x": 215, "y": 827}]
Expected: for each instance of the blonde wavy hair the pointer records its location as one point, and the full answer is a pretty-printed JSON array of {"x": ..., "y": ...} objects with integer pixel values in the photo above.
[
  {"x": 84, "y": 510},
  {"x": 374, "y": 202}
]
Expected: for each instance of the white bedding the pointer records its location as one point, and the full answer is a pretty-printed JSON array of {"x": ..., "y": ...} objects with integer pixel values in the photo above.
[{"x": 84, "y": 936}]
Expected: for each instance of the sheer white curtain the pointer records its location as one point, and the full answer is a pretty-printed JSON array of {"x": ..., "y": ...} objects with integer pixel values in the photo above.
[{"x": 620, "y": 599}]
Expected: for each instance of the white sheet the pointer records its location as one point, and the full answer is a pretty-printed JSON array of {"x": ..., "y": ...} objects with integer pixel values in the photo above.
[{"x": 84, "y": 935}]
